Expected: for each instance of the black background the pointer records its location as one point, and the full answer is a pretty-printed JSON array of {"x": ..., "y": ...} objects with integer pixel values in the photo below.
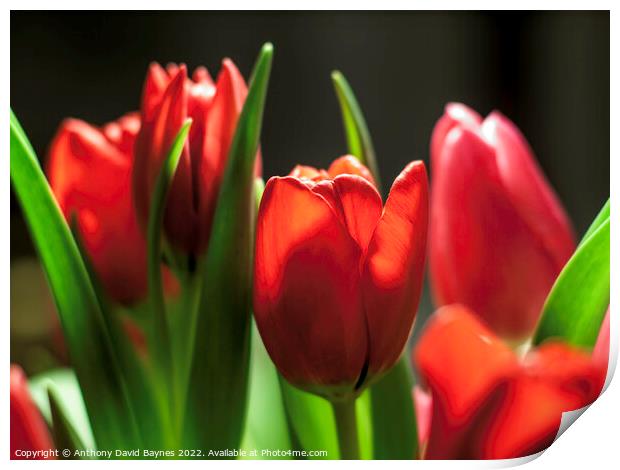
[{"x": 547, "y": 71}]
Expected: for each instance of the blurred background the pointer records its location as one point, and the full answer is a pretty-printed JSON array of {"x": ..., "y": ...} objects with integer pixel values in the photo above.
[{"x": 547, "y": 71}]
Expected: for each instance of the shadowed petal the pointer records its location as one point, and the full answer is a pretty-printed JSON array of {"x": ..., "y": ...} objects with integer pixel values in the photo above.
[
  {"x": 394, "y": 266},
  {"x": 306, "y": 294}
]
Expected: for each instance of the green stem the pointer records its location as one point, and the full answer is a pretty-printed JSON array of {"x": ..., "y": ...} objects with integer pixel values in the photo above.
[{"x": 346, "y": 424}]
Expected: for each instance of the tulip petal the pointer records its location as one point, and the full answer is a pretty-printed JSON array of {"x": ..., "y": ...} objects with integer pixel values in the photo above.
[
  {"x": 356, "y": 201},
  {"x": 221, "y": 122},
  {"x": 307, "y": 299},
  {"x": 154, "y": 87},
  {"x": 349, "y": 165},
  {"x": 554, "y": 379},
  {"x": 482, "y": 254},
  {"x": 529, "y": 190},
  {"x": 455, "y": 114},
  {"x": 454, "y": 341},
  {"x": 105, "y": 214},
  {"x": 308, "y": 172},
  {"x": 28, "y": 430},
  {"x": 394, "y": 266},
  {"x": 462, "y": 362},
  {"x": 159, "y": 129}
]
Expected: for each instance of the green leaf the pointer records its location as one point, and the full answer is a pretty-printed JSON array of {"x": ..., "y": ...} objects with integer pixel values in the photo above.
[
  {"x": 68, "y": 396},
  {"x": 355, "y": 128},
  {"x": 106, "y": 396},
  {"x": 311, "y": 420},
  {"x": 576, "y": 305},
  {"x": 216, "y": 407},
  {"x": 65, "y": 435},
  {"x": 313, "y": 426},
  {"x": 150, "y": 414},
  {"x": 266, "y": 425},
  {"x": 394, "y": 420},
  {"x": 162, "y": 343}
]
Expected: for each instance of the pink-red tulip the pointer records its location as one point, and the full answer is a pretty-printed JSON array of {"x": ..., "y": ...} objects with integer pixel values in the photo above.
[
  {"x": 28, "y": 429},
  {"x": 488, "y": 403},
  {"x": 499, "y": 236},
  {"x": 337, "y": 274},
  {"x": 169, "y": 98},
  {"x": 89, "y": 170}
]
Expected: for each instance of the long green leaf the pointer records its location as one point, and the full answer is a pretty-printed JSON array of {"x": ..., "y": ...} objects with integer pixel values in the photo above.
[
  {"x": 576, "y": 305},
  {"x": 392, "y": 403},
  {"x": 65, "y": 435},
  {"x": 312, "y": 421},
  {"x": 216, "y": 408},
  {"x": 105, "y": 394},
  {"x": 266, "y": 426},
  {"x": 162, "y": 340},
  {"x": 356, "y": 130}
]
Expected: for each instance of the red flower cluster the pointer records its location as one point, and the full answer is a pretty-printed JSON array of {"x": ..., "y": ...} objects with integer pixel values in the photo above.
[
  {"x": 104, "y": 177},
  {"x": 337, "y": 274}
]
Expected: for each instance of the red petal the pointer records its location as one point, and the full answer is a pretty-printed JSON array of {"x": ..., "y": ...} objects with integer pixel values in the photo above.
[
  {"x": 28, "y": 430},
  {"x": 159, "y": 128},
  {"x": 554, "y": 379},
  {"x": 154, "y": 87},
  {"x": 455, "y": 114},
  {"x": 201, "y": 75},
  {"x": 308, "y": 172},
  {"x": 528, "y": 188},
  {"x": 462, "y": 362},
  {"x": 357, "y": 203},
  {"x": 306, "y": 288},
  {"x": 349, "y": 165},
  {"x": 482, "y": 254},
  {"x": 394, "y": 266},
  {"x": 220, "y": 127},
  {"x": 91, "y": 178}
]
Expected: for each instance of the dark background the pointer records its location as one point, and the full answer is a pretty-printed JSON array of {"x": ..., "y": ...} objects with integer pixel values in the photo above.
[{"x": 547, "y": 71}]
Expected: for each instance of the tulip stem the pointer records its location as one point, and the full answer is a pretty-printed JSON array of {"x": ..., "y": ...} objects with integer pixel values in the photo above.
[{"x": 346, "y": 424}]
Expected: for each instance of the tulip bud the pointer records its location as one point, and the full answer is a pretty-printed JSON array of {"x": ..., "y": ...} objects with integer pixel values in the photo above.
[
  {"x": 337, "y": 274},
  {"x": 169, "y": 98},
  {"x": 28, "y": 430},
  {"x": 89, "y": 170},
  {"x": 499, "y": 236}
]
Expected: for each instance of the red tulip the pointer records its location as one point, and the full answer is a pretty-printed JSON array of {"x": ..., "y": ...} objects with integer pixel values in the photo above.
[
  {"x": 169, "y": 98},
  {"x": 487, "y": 403},
  {"x": 28, "y": 430},
  {"x": 499, "y": 236},
  {"x": 90, "y": 174},
  {"x": 337, "y": 274}
]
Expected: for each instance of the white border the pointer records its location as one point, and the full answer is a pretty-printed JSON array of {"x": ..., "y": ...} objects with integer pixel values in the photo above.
[{"x": 591, "y": 443}]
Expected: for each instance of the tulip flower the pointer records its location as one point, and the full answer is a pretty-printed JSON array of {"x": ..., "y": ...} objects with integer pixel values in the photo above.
[
  {"x": 338, "y": 275},
  {"x": 89, "y": 170},
  {"x": 28, "y": 429},
  {"x": 499, "y": 235},
  {"x": 488, "y": 403},
  {"x": 169, "y": 98}
]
